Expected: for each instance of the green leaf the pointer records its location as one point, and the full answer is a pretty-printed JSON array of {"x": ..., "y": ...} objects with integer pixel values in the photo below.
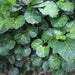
[
  {"x": 39, "y": 5},
  {"x": 19, "y": 57},
  {"x": 4, "y": 10},
  {"x": 22, "y": 38},
  {"x": 58, "y": 34},
  {"x": 65, "y": 49},
  {"x": 6, "y": 44},
  {"x": 32, "y": 16},
  {"x": 42, "y": 51},
  {"x": 59, "y": 22},
  {"x": 3, "y": 51},
  {"x": 47, "y": 35},
  {"x": 68, "y": 66},
  {"x": 26, "y": 2},
  {"x": 53, "y": 33},
  {"x": 11, "y": 59},
  {"x": 36, "y": 61},
  {"x": 54, "y": 62},
  {"x": 66, "y": 6},
  {"x": 10, "y": 23},
  {"x": 36, "y": 43},
  {"x": 19, "y": 63},
  {"x": 49, "y": 9},
  {"x": 19, "y": 22},
  {"x": 5, "y": 24},
  {"x": 26, "y": 51},
  {"x": 18, "y": 50},
  {"x": 12, "y": 2},
  {"x": 13, "y": 71},
  {"x": 14, "y": 9},
  {"x": 52, "y": 42},
  {"x": 28, "y": 65},
  {"x": 18, "y": 53},
  {"x": 45, "y": 66},
  {"x": 70, "y": 27},
  {"x": 33, "y": 2},
  {"x": 44, "y": 25},
  {"x": 33, "y": 31},
  {"x": 14, "y": 14}
]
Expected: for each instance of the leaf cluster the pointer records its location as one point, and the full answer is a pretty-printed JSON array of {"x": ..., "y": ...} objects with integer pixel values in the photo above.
[{"x": 37, "y": 36}]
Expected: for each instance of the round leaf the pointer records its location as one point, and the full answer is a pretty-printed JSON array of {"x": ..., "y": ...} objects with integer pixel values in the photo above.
[
  {"x": 42, "y": 51},
  {"x": 32, "y": 16}
]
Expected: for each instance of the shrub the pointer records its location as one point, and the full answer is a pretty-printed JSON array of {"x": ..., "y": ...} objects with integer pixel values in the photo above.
[{"x": 37, "y": 36}]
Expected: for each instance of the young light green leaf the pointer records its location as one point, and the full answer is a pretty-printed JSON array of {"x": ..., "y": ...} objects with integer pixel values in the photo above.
[
  {"x": 50, "y": 9},
  {"x": 66, "y": 6},
  {"x": 36, "y": 43},
  {"x": 42, "y": 51},
  {"x": 12, "y": 2}
]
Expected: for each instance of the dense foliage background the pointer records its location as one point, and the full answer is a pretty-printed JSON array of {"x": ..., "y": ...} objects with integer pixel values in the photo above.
[{"x": 37, "y": 36}]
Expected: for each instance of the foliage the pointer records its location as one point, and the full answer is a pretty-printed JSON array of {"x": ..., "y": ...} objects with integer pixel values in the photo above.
[{"x": 37, "y": 36}]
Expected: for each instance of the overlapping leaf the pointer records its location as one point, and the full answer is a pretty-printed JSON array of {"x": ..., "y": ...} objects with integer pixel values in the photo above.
[
  {"x": 59, "y": 22},
  {"x": 22, "y": 38},
  {"x": 11, "y": 23},
  {"x": 36, "y": 43},
  {"x": 68, "y": 66},
  {"x": 36, "y": 61},
  {"x": 50, "y": 9},
  {"x": 42, "y": 51},
  {"x": 13, "y": 2},
  {"x": 32, "y": 31},
  {"x": 66, "y": 6},
  {"x": 26, "y": 51},
  {"x": 70, "y": 28},
  {"x": 64, "y": 49},
  {"x": 14, "y": 71},
  {"x": 32, "y": 16},
  {"x": 6, "y": 44},
  {"x": 54, "y": 62}
]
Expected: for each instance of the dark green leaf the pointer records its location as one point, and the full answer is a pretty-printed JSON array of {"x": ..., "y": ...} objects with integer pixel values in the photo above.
[{"x": 13, "y": 71}]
